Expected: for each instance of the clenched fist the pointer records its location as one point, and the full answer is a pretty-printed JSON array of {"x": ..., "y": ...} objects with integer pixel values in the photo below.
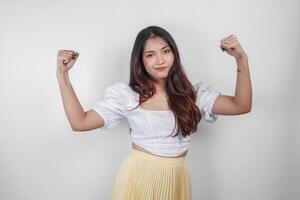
[
  {"x": 66, "y": 60},
  {"x": 232, "y": 46}
]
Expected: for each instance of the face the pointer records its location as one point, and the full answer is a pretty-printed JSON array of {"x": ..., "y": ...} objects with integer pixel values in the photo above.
[{"x": 158, "y": 58}]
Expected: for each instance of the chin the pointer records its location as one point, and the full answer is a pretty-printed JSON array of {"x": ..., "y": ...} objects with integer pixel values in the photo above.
[{"x": 161, "y": 77}]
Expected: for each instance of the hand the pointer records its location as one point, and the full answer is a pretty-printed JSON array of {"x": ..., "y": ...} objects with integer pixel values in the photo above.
[
  {"x": 66, "y": 60},
  {"x": 232, "y": 46}
]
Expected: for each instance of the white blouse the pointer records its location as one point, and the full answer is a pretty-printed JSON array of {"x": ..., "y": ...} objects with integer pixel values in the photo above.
[{"x": 151, "y": 129}]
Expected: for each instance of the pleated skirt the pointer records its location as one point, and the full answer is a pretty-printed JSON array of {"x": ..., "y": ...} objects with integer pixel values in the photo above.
[{"x": 143, "y": 176}]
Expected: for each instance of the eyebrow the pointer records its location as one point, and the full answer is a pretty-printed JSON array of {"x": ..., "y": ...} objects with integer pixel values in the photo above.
[{"x": 161, "y": 48}]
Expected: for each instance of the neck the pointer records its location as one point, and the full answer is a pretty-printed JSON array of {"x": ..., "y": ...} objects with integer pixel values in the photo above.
[{"x": 160, "y": 87}]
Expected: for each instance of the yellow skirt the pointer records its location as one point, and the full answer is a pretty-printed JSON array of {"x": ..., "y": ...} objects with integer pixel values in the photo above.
[{"x": 143, "y": 176}]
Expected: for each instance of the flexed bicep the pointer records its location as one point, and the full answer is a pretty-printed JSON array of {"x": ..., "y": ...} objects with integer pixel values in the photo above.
[{"x": 225, "y": 105}]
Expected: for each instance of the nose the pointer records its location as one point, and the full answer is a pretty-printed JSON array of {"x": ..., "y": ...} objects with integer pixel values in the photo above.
[{"x": 160, "y": 59}]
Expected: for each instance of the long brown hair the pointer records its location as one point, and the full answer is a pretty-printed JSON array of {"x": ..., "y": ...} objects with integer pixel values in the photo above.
[{"x": 181, "y": 93}]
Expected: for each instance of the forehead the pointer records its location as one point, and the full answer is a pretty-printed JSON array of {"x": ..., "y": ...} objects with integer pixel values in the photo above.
[{"x": 155, "y": 43}]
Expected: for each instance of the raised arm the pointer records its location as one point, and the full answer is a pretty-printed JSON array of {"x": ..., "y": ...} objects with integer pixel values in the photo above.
[
  {"x": 78, "y": 118},
  {"x": 241, "y": 102}
]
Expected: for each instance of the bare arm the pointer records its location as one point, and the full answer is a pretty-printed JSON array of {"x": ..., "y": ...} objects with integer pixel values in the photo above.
[
  {"x": 78, "y": 118},
  {"x": 241, "y": 102}
]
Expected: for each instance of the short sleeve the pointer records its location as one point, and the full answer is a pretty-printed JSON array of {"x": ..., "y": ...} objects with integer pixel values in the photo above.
[
  {"x": 206, "y": 97},
  {"x": 113, "y": 107}
]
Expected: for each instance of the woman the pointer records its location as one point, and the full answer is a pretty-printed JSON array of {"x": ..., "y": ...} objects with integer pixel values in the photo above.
[{"x": 163, "y": 109}]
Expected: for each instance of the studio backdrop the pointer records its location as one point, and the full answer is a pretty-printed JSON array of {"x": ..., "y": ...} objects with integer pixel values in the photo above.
[{"x": 254, "y": 156}]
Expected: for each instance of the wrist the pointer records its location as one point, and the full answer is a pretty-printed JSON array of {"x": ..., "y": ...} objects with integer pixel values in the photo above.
[
  {"x": 242, "y": 65},
  {"x": 242, "y": 61},
  {"x": 62, "y": 77},
  {"x": 242, "y": 58},
  {"x": 243, "y": 71},
  {"x": 62, "y": 74}
]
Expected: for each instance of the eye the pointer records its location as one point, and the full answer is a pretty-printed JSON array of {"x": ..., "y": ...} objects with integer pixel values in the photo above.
[
  {"x": 149, "y": 55},
  {"x": 167, "y": 51}
]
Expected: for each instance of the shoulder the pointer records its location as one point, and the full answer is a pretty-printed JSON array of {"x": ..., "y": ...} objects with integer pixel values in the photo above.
[
  {"x": 205, "y": 90},
  {"x": 120, "y": 90},
  {"x": 202, "y": 86},
  {"x": 119, "y": 87}
]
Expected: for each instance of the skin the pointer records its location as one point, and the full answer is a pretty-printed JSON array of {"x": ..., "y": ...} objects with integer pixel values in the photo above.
[
  {"x": 157, "y": 53},
  {"x": 80, "y": 120},
  {"x": 241, "y": 102}
]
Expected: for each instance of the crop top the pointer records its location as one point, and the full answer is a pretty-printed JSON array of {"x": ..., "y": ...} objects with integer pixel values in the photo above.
[{"x": 151, "y": 129}]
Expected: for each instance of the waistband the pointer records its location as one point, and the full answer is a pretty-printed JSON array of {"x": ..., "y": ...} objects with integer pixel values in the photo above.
[{"x": 158, "y": 159}]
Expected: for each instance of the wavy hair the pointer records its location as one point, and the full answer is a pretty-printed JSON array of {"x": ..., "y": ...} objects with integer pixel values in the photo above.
[{"x": 181, "y": 93}]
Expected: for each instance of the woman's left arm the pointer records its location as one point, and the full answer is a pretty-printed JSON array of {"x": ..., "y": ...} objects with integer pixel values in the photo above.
[{"x": 242, "y": 101}]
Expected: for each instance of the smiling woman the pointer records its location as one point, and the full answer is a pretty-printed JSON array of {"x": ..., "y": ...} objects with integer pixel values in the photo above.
[
  {"x": 163, "y": 109},
  {"x": 156, "y": 70},
  {"x": 157, "y": 57}
]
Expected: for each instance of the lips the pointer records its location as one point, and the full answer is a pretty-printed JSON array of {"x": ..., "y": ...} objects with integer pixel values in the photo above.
[{"x": 160, "y": 68}]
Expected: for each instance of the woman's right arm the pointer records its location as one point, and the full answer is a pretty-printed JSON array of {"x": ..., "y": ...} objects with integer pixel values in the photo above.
[{"x": 78, "y": 118}]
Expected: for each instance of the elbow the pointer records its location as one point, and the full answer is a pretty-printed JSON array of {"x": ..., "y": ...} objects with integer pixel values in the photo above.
[
  {"x": 76, "y": 129},
  {"x": 243, "y": 109},
  {"x": 78, "y": 126},
  {"x": 247, "y": 109}
]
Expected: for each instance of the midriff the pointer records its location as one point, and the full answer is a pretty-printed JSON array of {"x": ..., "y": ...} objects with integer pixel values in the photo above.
[{"x": 136, "y": 147}]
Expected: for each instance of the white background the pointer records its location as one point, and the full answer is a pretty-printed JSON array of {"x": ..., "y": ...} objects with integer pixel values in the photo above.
[{"x": 246, "y": 157}]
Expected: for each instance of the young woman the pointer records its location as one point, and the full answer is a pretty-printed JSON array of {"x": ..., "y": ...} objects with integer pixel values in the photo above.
[{"x": 163, "y": 109}]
